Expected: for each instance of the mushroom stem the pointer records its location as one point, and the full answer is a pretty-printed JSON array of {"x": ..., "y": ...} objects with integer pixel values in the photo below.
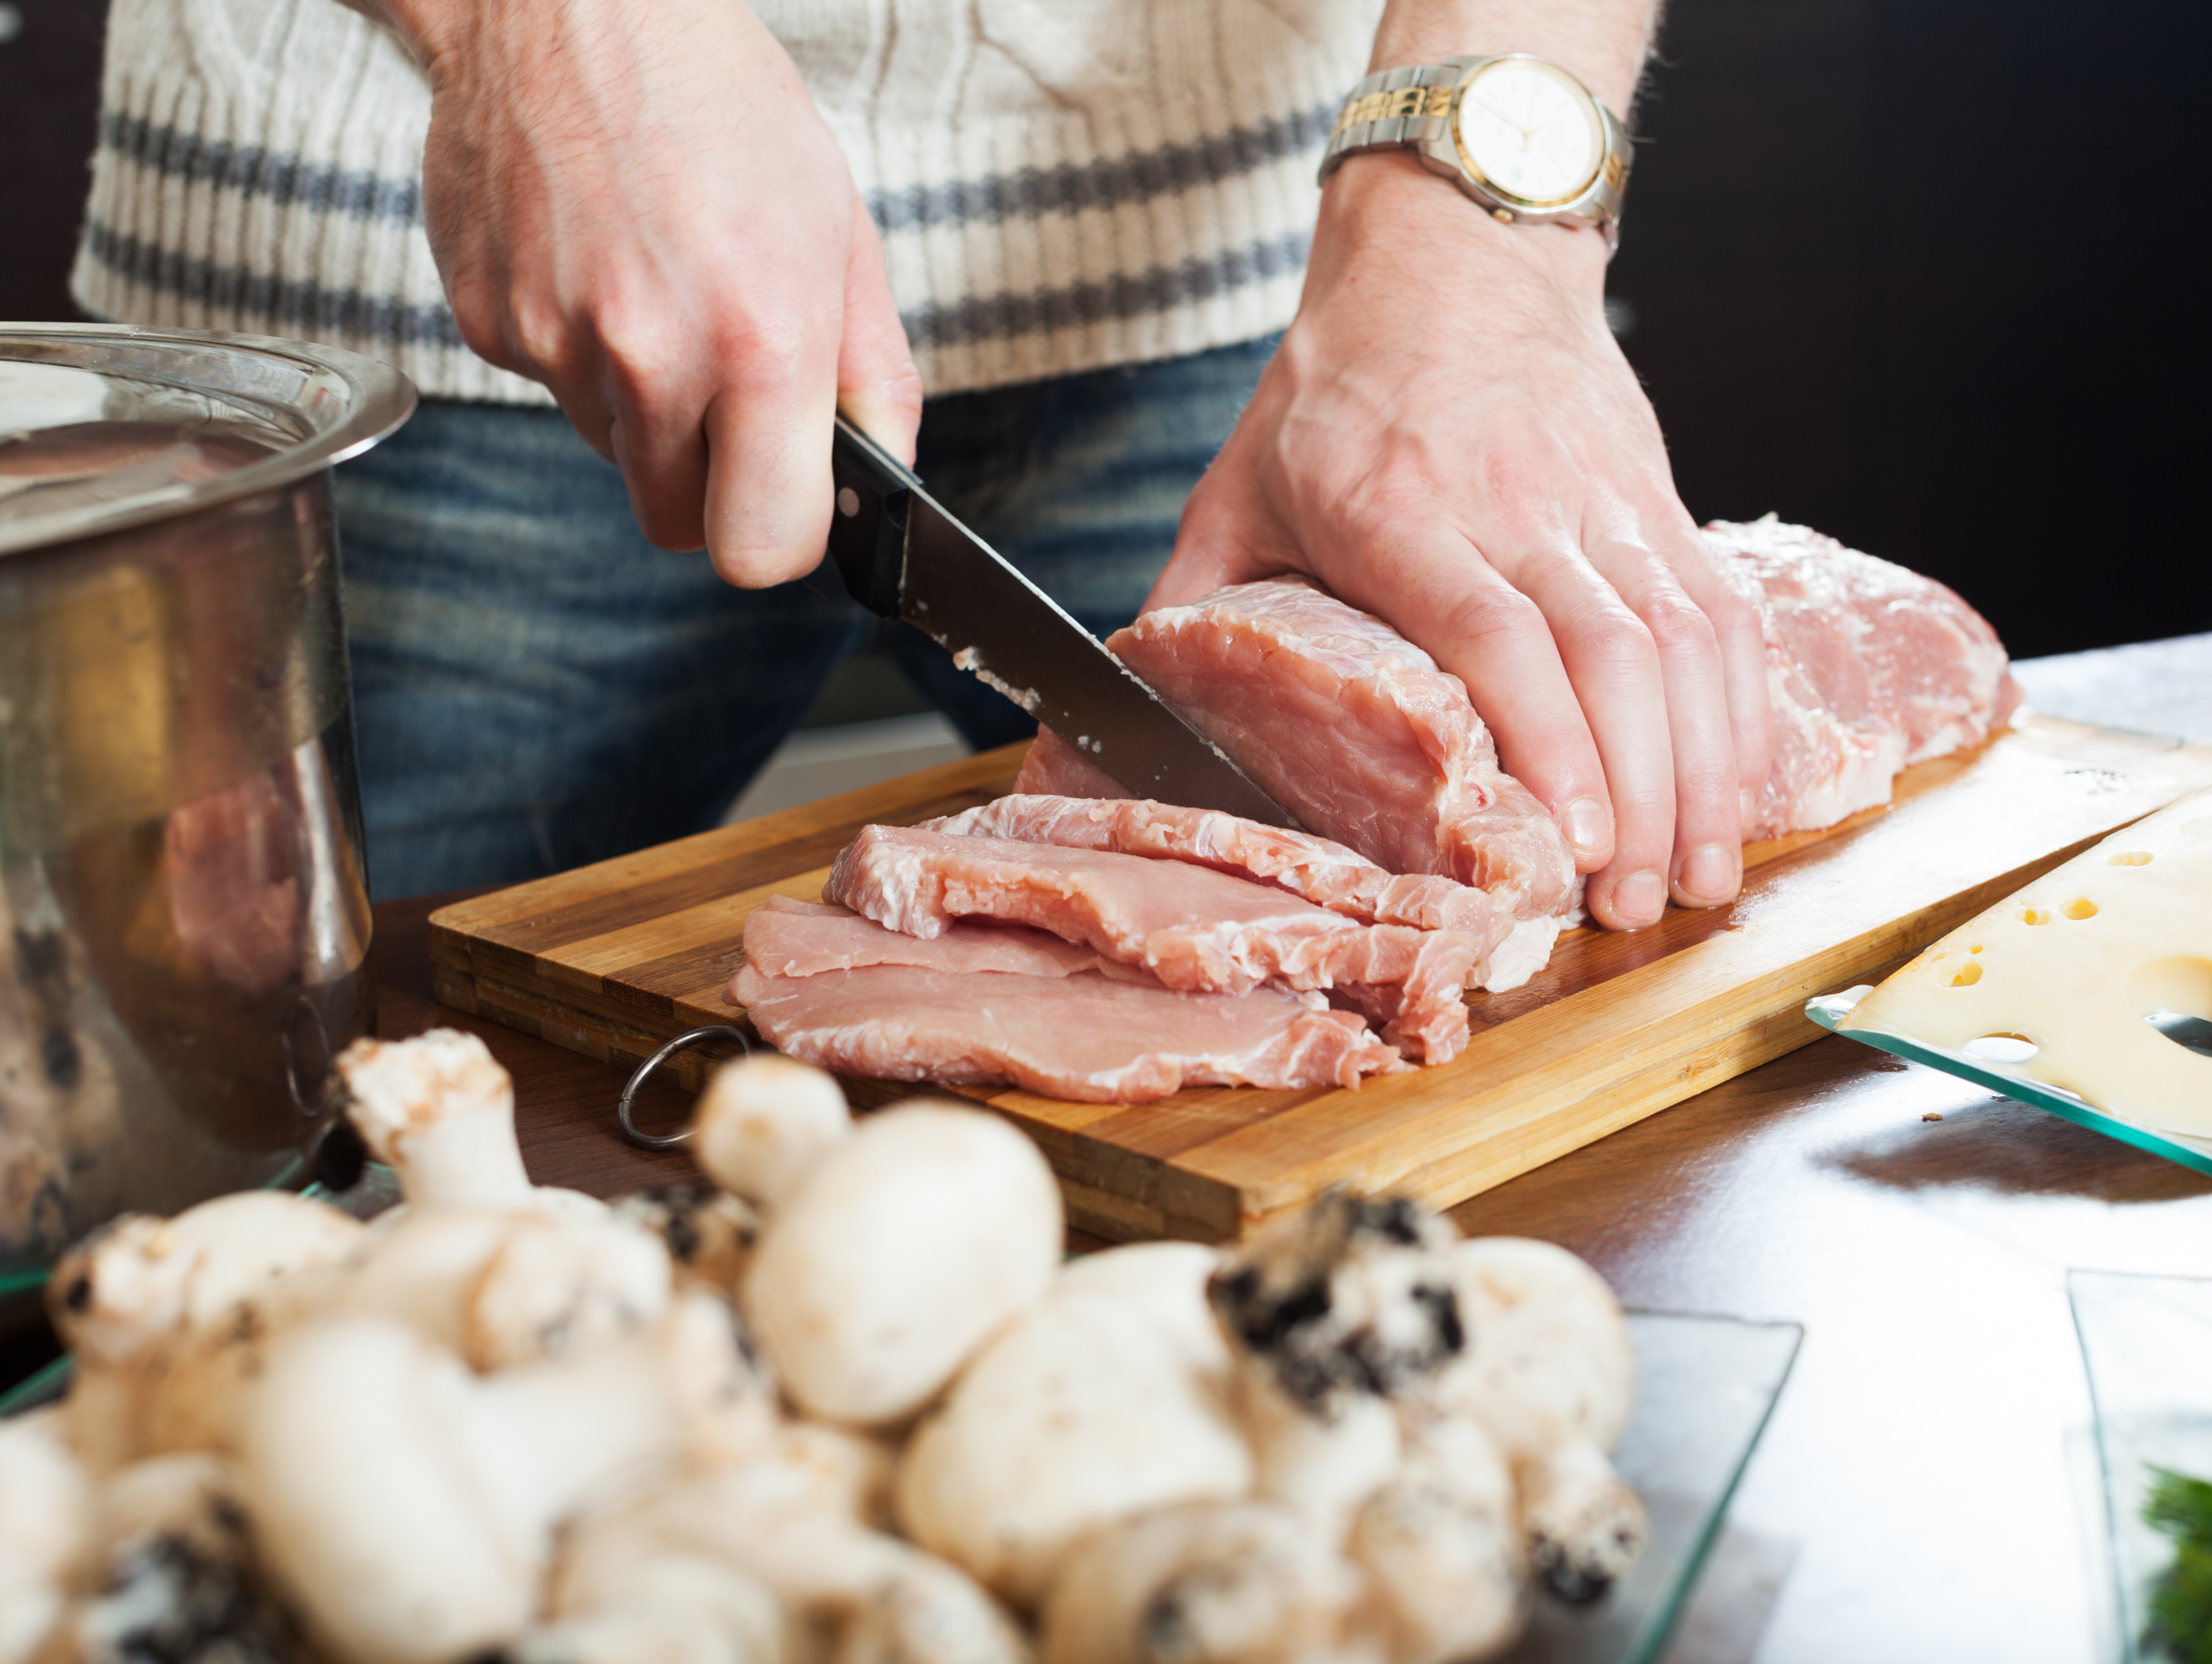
[
  {"x": 408, "y": 1508},
  {"x": 46, "y": 1530},
  {"x": 440, "y": 1110}
]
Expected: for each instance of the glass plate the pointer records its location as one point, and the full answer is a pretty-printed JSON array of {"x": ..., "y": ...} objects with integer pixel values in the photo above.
[
  {"x": 2147, "y": 1343},
  {"x": 1704, "y": 1388},
  {"x": 1829, "y": 1011}
]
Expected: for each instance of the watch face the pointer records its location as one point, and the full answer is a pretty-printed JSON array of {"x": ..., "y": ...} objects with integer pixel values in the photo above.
[{"x": 1528, "y": 132}]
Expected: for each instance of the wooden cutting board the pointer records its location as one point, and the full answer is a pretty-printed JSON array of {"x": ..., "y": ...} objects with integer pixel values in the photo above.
[{"x": 611, "y": 960}]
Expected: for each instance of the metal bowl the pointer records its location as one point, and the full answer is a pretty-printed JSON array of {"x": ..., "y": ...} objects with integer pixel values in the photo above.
[{"x": 184, "y": 908}]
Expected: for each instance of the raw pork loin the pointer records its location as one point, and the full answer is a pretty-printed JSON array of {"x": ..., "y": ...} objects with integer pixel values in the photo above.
[
  {"x": 1350, "y": 727},
  {"x": 1869, "y": 667},
  {"x": 982, "y": 1004},
  {"x": 1327, "y": 874},
  {"x": 1194, "y": 928}
]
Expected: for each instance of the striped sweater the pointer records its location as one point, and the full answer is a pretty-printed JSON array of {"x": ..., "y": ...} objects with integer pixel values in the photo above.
[{"x": 1061, "y": 185}]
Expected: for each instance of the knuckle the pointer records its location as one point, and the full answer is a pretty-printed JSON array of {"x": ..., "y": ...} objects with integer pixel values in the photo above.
[{"x": 1677, "y": 624}]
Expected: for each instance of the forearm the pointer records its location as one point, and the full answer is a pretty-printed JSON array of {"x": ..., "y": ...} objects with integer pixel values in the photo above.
[{"x": 1602, "y": 42}]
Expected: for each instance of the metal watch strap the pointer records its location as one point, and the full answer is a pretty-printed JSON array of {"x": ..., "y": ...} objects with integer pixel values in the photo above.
[
  {"x": 1410, "y": 108},
  {"x": 1393, "y": 108}
]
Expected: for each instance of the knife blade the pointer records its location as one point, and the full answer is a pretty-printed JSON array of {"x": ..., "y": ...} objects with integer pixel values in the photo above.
[{"x": 903, "y": 555}]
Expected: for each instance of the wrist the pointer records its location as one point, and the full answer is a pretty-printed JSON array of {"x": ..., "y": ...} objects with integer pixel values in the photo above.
[{"x": 1388, "y": 206}]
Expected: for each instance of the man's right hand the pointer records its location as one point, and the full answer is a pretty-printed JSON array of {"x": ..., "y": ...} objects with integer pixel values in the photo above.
[{"x": 636, "y": 203}]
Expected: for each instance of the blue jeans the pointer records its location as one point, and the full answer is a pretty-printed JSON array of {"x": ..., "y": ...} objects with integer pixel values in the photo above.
[{"x": 536, "y": 686}]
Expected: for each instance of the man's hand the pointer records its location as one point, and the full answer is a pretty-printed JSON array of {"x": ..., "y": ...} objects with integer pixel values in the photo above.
[
  {"x": 635, "y": 202},
  {"x": 1449, "y": 438}
]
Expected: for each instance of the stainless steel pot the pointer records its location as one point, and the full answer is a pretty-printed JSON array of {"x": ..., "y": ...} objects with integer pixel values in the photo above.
[{"x": 183, "y": 913}]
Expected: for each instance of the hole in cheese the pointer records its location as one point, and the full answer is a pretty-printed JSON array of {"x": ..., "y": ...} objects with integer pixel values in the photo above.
[
  {"x": 2002, "y": 1048},
  {"x": 2081, "y": 908},
  {"x": 2180, "y": 983},
  {"x": 2035, "y": 915},
  {"x": 2128, "y": 857},
  {"x": 1966, "y": 975},
  {"x": 1977, "y": 948}
]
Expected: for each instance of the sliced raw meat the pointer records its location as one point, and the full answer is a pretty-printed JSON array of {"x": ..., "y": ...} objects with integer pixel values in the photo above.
[
  {"x": 786, "y": 937},
  {"x": 1869, "y": 667},
  {"x": 1325, "y": 873},
  {"x": 1354, "y": 729},
  {"x": 1083, "y": 1037},
  {"x": 1194, "y": 928},
  {"x": 1053, "y": 767}
]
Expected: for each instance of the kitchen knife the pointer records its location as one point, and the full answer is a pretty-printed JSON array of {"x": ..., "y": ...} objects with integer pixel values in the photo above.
[{"x": 903, "y": 557}]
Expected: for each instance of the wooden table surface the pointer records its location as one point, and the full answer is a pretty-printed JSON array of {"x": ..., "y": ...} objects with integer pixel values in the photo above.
[{"x": 1920, "y": 1493}]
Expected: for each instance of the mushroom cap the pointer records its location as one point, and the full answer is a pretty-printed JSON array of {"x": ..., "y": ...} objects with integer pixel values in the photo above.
[
  {"x": 553, "y": 1288},
  {"x": 762, "y": 1120},
  {"x": 895, "y": 1254},
  {"x": 1231, "y": 1582},
  {"x": 1548, "y": 1358},
  {"x": 640, "y": 1603},
  {"x": 139, "y": 1278},
  {"x": 1109, "y": 1399}
]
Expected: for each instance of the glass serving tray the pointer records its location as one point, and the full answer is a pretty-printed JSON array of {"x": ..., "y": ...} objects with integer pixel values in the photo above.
[
  {"x": 2147, "y": 1345},
  {"x": 1704, "y": 1388},
  {"x": 1829, "y": 1011}
]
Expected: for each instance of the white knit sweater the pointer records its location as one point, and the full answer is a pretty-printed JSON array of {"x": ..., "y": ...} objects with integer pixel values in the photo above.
[{"x": 1063, "y": 184}]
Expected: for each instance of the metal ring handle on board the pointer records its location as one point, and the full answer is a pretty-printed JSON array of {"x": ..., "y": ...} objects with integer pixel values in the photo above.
[{"x": 625, "y": 1105}]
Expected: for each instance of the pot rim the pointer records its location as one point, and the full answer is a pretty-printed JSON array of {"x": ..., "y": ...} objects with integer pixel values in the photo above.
[{"x": 347, "y": 402}]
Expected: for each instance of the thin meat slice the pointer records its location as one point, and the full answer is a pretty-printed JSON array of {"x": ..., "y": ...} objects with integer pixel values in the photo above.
[
  {"x": 1191, "y": 926},
  {"x": 1083, "y": 1037},
  {"x": 1354, "y": 729},
  {"x": 788, "y": 938},
  {"x": 1315, "y": 869},
  {"x": 1869, "y": 667}
]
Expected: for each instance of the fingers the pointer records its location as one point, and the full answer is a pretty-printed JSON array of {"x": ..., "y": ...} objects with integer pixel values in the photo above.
[
  {"x": 1613, "y": 663},
  {"x": 1703, "y": 859},
  {"x": 1736, "y": 624},
  {"x": 769, "y": 489},
  {"x": 878, "y": 388}
]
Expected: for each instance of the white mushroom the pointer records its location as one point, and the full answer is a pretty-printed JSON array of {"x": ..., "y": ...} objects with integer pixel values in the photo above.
[
  {"x": 783, "y": 1518},
  {"x": 127, "y": 1297},
  {"x": 763, "y": 1120},
  {"x": 655, "y": 1608},
  {"x": 709, "y": 1233},
  {"x": 1331, "y": 1314},
  {"x": 1549, "y": 1371},
  {"x": 1442, "y": 1549},
  {"x": 440, "y": 1110},
  {"x": 408, "y": 1507},
  {"x": 178, "y": 1577},
  {"x": 1109, "y": 1399},
  {"x": 46, "y": 1532},
  {"x": 895, "y": 1254},
  {"x": 1222, "y": 1582}
]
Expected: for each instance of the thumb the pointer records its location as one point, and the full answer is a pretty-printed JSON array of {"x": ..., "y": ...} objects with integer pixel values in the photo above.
[{"x": 879, "y": 389}]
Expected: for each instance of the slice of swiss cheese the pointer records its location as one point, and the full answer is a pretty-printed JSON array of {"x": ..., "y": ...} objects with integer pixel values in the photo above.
[{"x": 2074, "y": 963}]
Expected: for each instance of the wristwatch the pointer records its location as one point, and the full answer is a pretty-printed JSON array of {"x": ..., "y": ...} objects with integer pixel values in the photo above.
[{"x": 1518, "y": 134}]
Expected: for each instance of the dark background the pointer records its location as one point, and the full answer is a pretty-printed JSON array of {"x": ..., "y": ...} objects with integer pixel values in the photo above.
[{"x": 1922, "y": 273}]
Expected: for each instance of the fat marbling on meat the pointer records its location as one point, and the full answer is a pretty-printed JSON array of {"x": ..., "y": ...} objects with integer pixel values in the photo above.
[
  {"x": 984, "y": 1004},
  {"x": 1870, "y": 666},
  {"x": 1193, "y": 927},
  {"x": 1350, "y": 726}
]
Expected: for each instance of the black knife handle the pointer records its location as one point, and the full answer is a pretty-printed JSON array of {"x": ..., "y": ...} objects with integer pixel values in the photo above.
[{"x": 868, "y": 525}]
